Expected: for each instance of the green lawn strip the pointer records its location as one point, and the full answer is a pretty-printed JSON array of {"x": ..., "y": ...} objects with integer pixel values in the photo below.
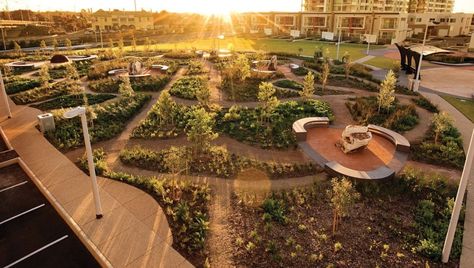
[
  {"x": 466, "y": 107},
  {"x": 382, "y": 62}
]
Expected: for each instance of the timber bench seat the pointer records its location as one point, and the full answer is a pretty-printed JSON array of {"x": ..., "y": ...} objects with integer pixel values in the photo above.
[{"x": 300, "y": 126}]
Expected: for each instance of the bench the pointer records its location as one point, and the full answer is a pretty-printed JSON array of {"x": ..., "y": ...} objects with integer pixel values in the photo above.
[
  {"x": 400, "y": 142},
  {"x": 300, "y": 126},
  {"x": 335, "y": 169}
]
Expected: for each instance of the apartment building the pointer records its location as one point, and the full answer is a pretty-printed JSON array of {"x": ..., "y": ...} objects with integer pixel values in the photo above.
[
  {"x": 431, "y": 6},
  {"x": 356, "y": 5},
  {"x": 121, "y": 20},
  {"x": 440, "y": 24}
]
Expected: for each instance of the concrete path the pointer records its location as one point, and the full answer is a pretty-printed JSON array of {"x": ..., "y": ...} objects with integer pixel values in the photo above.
[{"x": 134, "y": 231}]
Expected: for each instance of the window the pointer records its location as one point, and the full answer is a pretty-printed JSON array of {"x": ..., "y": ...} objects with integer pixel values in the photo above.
[
  {"x": 286, "y": 20},
  {"x": 351, "y": 22},
  {"x": 315, "y": 21},
  {"x": 452, "y": 20},
  {"x": 418, "y": 19},
  {"x": 390, "y": 23}
]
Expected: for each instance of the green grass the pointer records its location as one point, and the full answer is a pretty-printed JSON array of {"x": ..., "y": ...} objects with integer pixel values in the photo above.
[
  {"x": 382, "y": 62},
  {"x": 357, "y": 51},
  {"x": 466, "y": 107}
]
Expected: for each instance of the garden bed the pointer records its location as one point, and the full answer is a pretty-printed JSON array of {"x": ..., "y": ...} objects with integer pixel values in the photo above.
[
  {"x": 111, "y": 119},
  {"x": 18, "y": 84},
  {"x": 111, "y": 85},
  {"x": 215, "y": 162},
  {"x": 399, "y": 118},
  {"x": 46, "y": 92},
  {"x": 398, "y": 223},
  {"x": 187, "y": 87},
  {"x": 73, "y": 101},
  {"x": 248, "y": 90}
]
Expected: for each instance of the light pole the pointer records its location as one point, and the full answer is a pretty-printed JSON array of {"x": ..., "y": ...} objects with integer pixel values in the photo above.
[
  {"x": 416, "y": 83},
  {"x": 466, "y": 173},
  {"x": 5, "y": 96},
  {"x": 81, "y": 112},
  {"x": 338, "y": 28}
]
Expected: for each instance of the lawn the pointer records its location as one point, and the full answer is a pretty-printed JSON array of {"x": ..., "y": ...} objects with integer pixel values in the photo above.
[
  {"x": 466, "y": 107},
  {"x": 382, "y": 62},
  {"x": 357, "y": 51}
]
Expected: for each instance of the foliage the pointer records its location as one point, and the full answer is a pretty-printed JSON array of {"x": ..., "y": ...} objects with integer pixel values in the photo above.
[
  {"x": 308, "y": 89},
  {"x": 248, "y": 90},
  {"x": 19, "y": 84},
  {"x": 285, "y": 83},
  {"x": 386, "y": 96},
  {"x": 125, "y": 87},
  {"x": 195, "y": 67},
  {"x": 440, "y": 123},
  {"x": 99, "y": 70},
  {"x": 46, "y": 92},
  {"x": 241, "y": 67},
  {"x": 111, "y": 119},
  {"x": 73, "y": 101},
  {"x": 180, "y": 55},
  {"x": 71, "y": 72},
  {"x": 199, "y": 130},
  {"x": 399, "y": 118},
  {"x": 425, "y": 104},
  {"x": 187, "y": 87},
  {"x": 300, "y": 71},
  {"x": 347, "y": 64},
  {"x": 99, "y": 159},
  {"x": 268, "y": 101},
  {"x": 274, "y": 210},
  {"x": 216, "y": 161},
  {"x": 44, "y": 75},
  {"x": 343, "y": 196},
  {"x": 447, "y": 150}
]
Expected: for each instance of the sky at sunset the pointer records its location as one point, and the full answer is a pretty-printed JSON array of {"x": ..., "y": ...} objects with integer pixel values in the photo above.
[{"x": 201, "y": 6}]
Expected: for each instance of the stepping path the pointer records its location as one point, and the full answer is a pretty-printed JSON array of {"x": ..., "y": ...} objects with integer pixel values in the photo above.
[{"x": 133, "y": 232}]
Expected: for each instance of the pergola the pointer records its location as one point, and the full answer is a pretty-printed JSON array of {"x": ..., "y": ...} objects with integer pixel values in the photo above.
[{"x": 412, "y": 54}]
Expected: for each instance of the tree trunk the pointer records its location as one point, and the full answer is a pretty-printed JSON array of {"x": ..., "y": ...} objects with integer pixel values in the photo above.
[{"x": 334, "y": 222}]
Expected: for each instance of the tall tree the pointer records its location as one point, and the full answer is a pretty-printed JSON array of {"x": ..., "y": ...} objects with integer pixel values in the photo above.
[
  {"x": 111, "y": 43},
  {"x": 386, "y": 96},
  {"x": 200, "y": 130},
  {"x": 269, "y": 102},
  {"x": 134, "y": 44},
  {"x": 203, "y": 95},
  {"x": 55, "y": 44},
  {"x": 44, "y": 76},
  {"x": 440, "y": 123},
  {"x": 165, "y": 109},
  {"x": 17, "y": 49},
  {"x": 43, "y": 46},
  {"x": 242, "y": 67},
  {"x": 120, "y": 44},
  {"x": 325, "y": 74},
  {"x": 147, "y": 44},
  {"x": 308, "y": 86}
]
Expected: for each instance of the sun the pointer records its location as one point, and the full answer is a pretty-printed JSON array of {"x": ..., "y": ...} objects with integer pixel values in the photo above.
[{"x": 217, "y": 8}]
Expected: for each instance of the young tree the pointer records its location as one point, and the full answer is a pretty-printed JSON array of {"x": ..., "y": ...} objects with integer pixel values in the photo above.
[
  {"x": 347, "y": 64},
  {"x": 7, "y": 71},
  {"x": 55, "y": 44},
  {"x": 308, "y": 86},
  {"x": 176, "y": 160},
  {"x": 325, "y": 74},
  {"x": 440, "y": 123},
  {"x": 200, "y": 130},
  {"x": 269, "y": 102},
  {"x": 165, "y": 109},
  {"x": 134, "y": 44},
  {"x": 68, "y": 44},
  {"x": 203, "y": 95},
  {"x": 242, "y": 67},
  {"x": 125, "y": 87},
  {"x": 43, "y": 45},
  {"x": 147, "y": 44},
  {"x": 386, "y": 95},
  {"x": 300, "y": 51},
  {"x": 120, "y": 44},
  {"x": 44, "y": 75},
  {"x": 343, "y": 196},
  {"x": 71, "y": 72},
  {"x": 17, "y": 49},
  {"x": 318, "y": 53},
  {"x": 111, "y": 43}
]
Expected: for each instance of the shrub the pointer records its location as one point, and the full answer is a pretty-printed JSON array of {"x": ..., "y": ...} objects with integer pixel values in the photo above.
[
  {"x": 18, "y": 84},
  {"x": 425, "y": 104},
  {"x": 110, "y": 85},
  {"x": 300, "y": 71},
  {"x": 187, "y": 87},
  {"x": 73, "y": 101},
  {"x": 195, "y": 67},
  {"x": 100, "y": 162},
  {"x": 274, "y": 210},
  {"x": 248, "y": 90},
  {"x": 100, "y": 70},
  {"x": 288, "y": 84},
  {"x": 180, "y": 55},
  {"x": 46, "y": 92}
]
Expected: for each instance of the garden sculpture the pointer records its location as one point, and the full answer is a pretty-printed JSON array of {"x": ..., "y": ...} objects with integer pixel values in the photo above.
[
  {"x": 354, "y": 138},
  {"x": 135, "y": 68},
  {"x": 272, "y": 66}
]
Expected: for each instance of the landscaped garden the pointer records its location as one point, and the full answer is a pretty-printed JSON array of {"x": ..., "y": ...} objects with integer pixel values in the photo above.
[{"x": 227, "y": 123}]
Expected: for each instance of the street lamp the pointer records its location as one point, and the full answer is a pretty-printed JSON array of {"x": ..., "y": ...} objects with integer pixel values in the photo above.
[
  {"x": 416, "y": 83},
  {"x": 453, "y": 223},
  {"x": 81, "y": 112},
  {"x": 338, "y": 38}
]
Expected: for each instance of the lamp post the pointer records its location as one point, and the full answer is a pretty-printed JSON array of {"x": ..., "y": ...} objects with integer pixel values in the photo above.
[
  {"x": 219, "y": 38},
  {"x": 416, "y": 83},
  {"x": 338, "y": 40},
  {"x": 81, "y": 112},
  {"x": 466, "y": 173},
  {"x": 5, "y": 96}
]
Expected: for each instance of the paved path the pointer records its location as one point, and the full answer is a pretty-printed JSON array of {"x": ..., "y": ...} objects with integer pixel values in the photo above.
[{"x": 134, "y": 231}]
